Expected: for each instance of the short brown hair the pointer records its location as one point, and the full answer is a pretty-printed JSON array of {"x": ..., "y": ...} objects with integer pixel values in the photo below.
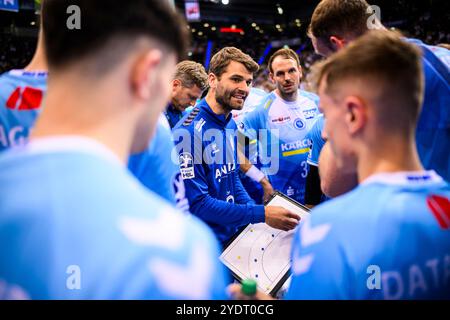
[
  {"x": 391, "y": 71},
  {"x": 191, "y": 73},
  {"x": 285, "y": 53},
  {"x": 339, "y": 18},
  {"x": 222, "y": 59}
]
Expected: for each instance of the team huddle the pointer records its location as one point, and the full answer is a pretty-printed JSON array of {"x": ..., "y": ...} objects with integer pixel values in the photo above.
[{"x": 125, "y": 170}]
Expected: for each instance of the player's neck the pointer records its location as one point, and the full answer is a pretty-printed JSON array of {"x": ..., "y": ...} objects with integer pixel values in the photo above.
[
  {"x": 287, "y": 97},
  {"x": 215, "y": 106},
  {"x": 388, "y": 158},
  {"x": 38, "y": 62},
  {"x": 72, "y": 112}
]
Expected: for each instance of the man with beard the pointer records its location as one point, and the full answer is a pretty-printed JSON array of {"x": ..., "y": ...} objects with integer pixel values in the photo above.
[
  {"x": 389, "y": 237},
  {"x": 287, "y": 114},
  {"x": 206, "y": 143}
]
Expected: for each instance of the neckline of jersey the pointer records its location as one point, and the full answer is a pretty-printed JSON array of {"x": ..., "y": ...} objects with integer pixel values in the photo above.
[
  {"x": 72, "y": 143},
  {"x": 219, "y": 118},
  {"x": 285, "y": 101},
  {"x": 405, "y": 178},
  {"x": 35, "y": 74}
]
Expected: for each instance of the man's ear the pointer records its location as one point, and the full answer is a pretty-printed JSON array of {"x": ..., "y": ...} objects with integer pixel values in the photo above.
[
  {"x": 356, "y": 114},
  {"x": 337, "y": 43},
  {"x": 271, "y": 77},
  {"x": 143, "y": 73},
  {"x": 212, "y": 80},
  {"x": 176, "y": 83}
]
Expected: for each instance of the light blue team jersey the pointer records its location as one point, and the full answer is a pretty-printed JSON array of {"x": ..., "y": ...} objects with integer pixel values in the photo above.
[
  {"x": 317, "y": 142},
  {"x": 433, "y": 128},
  {"x": 21, "y": 96},
  {"x": 284, "y": 153},
  {"x": 387, "y": 239},
  {"x": 156, "y": 170},
  {"x": 75, "y": 224},
  {"x": 254, "y": 98}
]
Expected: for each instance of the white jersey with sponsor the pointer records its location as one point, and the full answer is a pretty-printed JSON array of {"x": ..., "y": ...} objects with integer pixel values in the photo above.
[{"x": 283, "y": 151}]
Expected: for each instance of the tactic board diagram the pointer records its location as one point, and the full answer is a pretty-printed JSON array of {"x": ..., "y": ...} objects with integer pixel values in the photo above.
[{"x": 261, "y": 252}]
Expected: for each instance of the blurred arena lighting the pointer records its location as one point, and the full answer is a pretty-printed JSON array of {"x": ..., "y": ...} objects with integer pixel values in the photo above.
[
  {"x": 231, "y": 30},
  {"x": 279, "y": 9}
]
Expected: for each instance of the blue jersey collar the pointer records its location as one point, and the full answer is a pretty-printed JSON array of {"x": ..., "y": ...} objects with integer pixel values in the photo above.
[
  {"x": 172, "y": 109},
  {"x": 218, "y": 118},
  {"x": 33, "y": 74},
  {"x": 416, "y": 178}
]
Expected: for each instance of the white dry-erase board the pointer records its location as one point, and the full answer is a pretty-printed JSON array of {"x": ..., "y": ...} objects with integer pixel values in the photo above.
[{"x": 263, "y": 253}]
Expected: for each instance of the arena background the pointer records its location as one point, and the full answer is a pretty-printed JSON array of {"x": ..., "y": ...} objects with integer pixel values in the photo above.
[{"x": 258, "y": 27}]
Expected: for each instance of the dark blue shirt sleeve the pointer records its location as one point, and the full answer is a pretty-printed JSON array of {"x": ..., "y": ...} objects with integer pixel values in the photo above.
[
  {"x": 241, "y": 195},
  {"x": 212, "y": 210}
]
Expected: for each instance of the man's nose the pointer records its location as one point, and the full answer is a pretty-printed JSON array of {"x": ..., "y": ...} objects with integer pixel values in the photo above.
[
  {"x": 288, "y": 77},
  {"x": 244, "y": 88}
]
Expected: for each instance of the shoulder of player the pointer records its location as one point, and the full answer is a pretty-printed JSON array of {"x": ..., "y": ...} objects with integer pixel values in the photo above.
[
  {"x": 318, "y": 124},
  {"x": 350, "y": 205},
  {"x": 268, "y": 100},
  {"x": 7, "y": 80},
  {"x": 232, "y": 124},
  {"x": 308, "y": 96},
  {"x": 265, "y": 104},
  {"x": 191, "y": 228},
  {"x": 258, "y": 92},
  {"x": 187, "y": 122}
]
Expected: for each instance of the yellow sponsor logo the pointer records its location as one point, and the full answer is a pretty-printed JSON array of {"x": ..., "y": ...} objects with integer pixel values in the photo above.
[{"x": 295, "y": 152}]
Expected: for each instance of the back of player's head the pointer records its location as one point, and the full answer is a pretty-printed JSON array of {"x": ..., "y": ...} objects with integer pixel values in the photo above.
[
  {"x": 191, "y": 73},
  {"x": 286, "y": 53},
  {"x": 384, "y": 70},
  {"x": 222, "y": 59},
  {"x": 104, "y": 31},
  {"x": 339, "y": 18}
]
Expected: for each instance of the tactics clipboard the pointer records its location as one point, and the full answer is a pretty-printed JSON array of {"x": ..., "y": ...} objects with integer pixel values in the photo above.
[{"x": 261, "y": 252}]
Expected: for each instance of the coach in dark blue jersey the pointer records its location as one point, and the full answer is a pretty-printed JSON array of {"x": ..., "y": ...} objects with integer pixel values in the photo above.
[
  {"x": 188, "y": 84},
  {"x": 206, "y": 142}
]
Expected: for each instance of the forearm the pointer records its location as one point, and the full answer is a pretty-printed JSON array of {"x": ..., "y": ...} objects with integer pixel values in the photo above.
[{"x": 222, "y": 212}]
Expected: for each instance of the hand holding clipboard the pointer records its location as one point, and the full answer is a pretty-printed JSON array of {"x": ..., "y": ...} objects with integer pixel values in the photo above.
[{"x": 261, "y": 252}]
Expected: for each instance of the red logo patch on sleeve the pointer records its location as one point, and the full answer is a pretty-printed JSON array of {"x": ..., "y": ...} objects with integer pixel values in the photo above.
[
  {"x": 30, "y": 99},
  {"x": 440, "y": 207},
  {"x": 12, "y": 100}
]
